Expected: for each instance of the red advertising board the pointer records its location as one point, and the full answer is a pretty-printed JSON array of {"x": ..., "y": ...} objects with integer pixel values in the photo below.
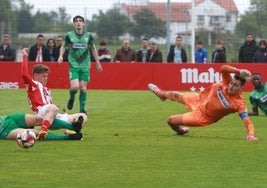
[{"x": 132, "y": 76}]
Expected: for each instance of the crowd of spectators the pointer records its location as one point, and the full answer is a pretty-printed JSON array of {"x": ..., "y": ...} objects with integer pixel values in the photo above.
[{"x": 149, "y": 51}]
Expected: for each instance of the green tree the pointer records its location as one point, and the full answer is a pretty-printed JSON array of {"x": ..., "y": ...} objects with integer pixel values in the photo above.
[
  {"x": 60, "y": 20},
  {"x": 24, "y": 17},
  {"x": 42, "y": 22},
  {"x": 7, "y": 17},
  {"x": 111, "y": 24},
  {"x": 254, "y": 20},
  {"x": 147, "y": 24}
]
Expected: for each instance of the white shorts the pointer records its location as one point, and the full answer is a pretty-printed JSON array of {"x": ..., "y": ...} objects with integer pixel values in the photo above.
[{"x": 42, "y": 110}]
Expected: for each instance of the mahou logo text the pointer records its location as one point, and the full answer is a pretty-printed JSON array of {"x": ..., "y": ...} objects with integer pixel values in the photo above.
[{"x": 192, "y": 75}]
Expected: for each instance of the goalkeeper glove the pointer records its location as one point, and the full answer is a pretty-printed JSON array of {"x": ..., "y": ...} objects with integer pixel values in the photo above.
[{"x": 251, "y": 137}]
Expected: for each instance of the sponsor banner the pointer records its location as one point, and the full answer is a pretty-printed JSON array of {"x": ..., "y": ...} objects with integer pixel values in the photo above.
[{"x": 132, "y": 76}]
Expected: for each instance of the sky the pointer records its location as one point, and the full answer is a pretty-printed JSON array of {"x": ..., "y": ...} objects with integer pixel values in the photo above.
[{"x": 87, "y": 8}]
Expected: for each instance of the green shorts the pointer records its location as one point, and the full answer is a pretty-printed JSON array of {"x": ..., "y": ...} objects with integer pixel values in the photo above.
[
  {"x": 10, "y": 122},
  {"x": 80, "y": 74}
]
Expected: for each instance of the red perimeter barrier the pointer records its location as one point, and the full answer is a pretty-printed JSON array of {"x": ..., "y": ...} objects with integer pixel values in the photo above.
[{"x": 132, "y": 76}]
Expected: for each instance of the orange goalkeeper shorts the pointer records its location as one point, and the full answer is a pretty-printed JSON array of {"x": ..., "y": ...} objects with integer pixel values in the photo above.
[{"x": 196, "y": 117}]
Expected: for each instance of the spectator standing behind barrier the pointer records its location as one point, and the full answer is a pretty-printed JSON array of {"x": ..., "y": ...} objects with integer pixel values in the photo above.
[
  {"x": 7, "y": 52},
  {"x": 177, "y": 53},
  {"x": 260, "y": 56},
  {"x": 126, "y": 53},
  {"x": 51, "y": 45},
  {"x": 201, "y": 54},
  {"x": 154, "y": 55},
  {"x": 19, "y": 54},
  {"x": 247, "y": 50},
  {"x": 219, "y": 55},
  {"x": 142, "y": 53},
  {"x": 59, "y": 41},
  {"x": 103, "y": 52},
  {"x": 39, "y": 52}
]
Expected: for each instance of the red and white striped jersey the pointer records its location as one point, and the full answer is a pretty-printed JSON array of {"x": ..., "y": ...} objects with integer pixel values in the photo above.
[{"x": 38, "y": 95}]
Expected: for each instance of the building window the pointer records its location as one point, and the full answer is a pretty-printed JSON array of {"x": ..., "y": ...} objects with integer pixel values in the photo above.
[
  {"x": 228, "y": 18},
  {"x": 200, "y": 18}
]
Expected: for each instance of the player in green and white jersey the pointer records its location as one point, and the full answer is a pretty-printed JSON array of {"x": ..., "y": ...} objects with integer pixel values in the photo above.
[
  {"x": 258, "y": 97},
  {"x": 79, "y": 43},
  {"x": 11, "y": 124}
]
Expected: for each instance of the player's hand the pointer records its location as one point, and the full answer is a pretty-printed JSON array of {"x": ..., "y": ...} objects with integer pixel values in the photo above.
[
  {"x": 41, "y": 135},
  {"x": 244, "y": 73},
  {"x": 99, "y": 67},
  {"x": 251, "y": 137},
  {"x": 60, "y": 60},
  {"x": 24, "y": 51}
]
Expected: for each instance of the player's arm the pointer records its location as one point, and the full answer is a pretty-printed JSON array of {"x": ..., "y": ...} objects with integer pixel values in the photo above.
[
  {"x": 98, "y": 64},
  {"x": 24, "y": 68},
  {"x": 249, "y": 126},
  {"x": 254, "y": 104},
  {"x": 226, "y": 71},
  {"x": 61, "y": 53},
  {"x": 62, "y": 49},
  {"x": 255, "y": 112}
]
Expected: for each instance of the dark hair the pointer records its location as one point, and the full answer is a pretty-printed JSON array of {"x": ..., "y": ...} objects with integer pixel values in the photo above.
[
  {"x": 49, "y": 40},
  {"x": 249, "y": 33},
  {"x": 242, "y": 80},
  {"x": 77, "y": 17},
  {"x": 102, "y": 43},
  {"x": 219, "y": 42},
  {"x": 40, "y": 68},
  {"x": 263, "y": 42},
  {"x": 255, "y": 73},
  {"x": 40, "y": 35},
  {"x": 199, "y": 42},
  {"x": 145, "y": 39},
  {"x": 179, "y": 37}
]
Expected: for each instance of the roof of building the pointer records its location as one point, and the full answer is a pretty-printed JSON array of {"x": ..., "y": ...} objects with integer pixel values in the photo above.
[{"x": 179, "y": 11}]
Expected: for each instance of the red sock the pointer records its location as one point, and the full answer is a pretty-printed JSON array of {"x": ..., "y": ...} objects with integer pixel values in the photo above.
[{"x": 45, "y": 125}]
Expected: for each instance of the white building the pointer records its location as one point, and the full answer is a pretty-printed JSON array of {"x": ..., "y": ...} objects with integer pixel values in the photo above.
[{"x": 210, "y": 16}]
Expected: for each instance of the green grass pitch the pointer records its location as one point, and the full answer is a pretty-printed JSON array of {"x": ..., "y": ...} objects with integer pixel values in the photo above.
[{"x": 127, "y": 143}]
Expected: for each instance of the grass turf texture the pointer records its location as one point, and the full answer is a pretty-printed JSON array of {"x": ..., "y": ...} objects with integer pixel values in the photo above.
[{"x": 127, "y": 143}]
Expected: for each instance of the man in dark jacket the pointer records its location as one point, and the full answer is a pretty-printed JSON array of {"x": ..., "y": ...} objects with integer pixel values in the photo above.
[
  {"x": 177, "y": 53},
  {"x": 57, "y": 49},
  {"x": 39, "y": 52},
  {"x": 247, "y": 50},
  {"x": 154, "y": 55},
  {"x": 260, "y": 56},
  {"x": 218, "y": 55},
  {"x": 142, "y": 52},
  {"x": 7, "y": 52}
]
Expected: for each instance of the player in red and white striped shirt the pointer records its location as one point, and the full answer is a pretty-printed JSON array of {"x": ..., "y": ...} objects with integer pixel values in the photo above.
[{"x": 39, "y": 96}]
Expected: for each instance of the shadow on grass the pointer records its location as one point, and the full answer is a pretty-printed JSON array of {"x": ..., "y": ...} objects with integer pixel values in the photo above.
[{"x": 215, "y": 137}]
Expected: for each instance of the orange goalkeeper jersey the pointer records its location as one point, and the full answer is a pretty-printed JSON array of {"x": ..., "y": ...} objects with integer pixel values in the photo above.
[{"x": 216, "y": 102}]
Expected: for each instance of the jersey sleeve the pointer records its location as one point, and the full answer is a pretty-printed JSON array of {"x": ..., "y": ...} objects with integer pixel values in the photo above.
[
  {"x": 243, "y": 113},
  {"x": 24, "y": 71},
  {"x": 91, "y": 41},
  {"x": 253, "y": 102},
  {"x": 249, "y": 125},
  {"x": 226, "y": 71},
  {"x": 67, "y": 40}
]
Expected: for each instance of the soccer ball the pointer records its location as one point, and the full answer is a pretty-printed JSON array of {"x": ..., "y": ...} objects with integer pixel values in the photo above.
[{"x": 26, "y": 138}]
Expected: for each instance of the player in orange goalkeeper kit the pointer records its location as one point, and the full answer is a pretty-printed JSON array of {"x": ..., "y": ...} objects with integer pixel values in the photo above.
[{"x": 215, "y": 102}]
